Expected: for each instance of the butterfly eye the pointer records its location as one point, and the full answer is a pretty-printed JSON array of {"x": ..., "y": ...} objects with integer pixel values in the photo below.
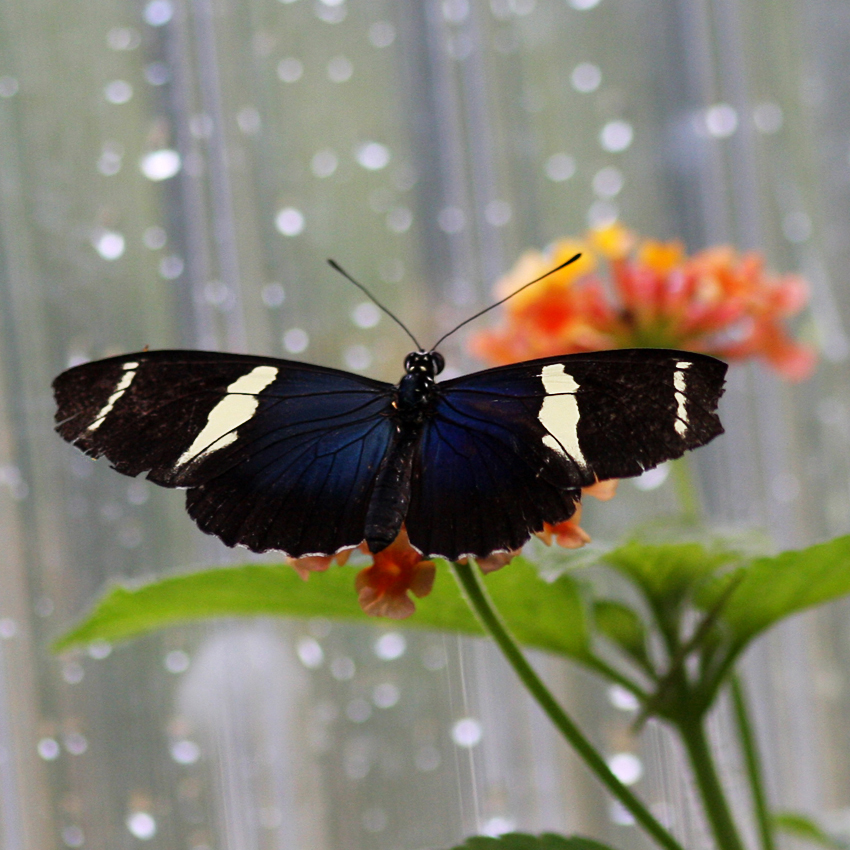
[{"x": 439, "y": 362}]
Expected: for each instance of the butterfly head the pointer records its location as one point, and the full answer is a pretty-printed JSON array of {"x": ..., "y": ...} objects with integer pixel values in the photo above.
[{"x": 427, "y": 363}]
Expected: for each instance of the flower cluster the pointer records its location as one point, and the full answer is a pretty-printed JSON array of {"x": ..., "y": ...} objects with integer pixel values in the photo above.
[{"x": 627, "y": 292}]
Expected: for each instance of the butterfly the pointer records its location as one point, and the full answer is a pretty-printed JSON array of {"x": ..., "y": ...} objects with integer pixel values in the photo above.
[
  {"x": 308, "y": 460},
  {"x": 305, "y": 459}
]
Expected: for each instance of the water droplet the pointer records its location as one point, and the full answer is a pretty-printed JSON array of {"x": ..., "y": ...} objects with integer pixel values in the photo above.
[
  {"x": 602, "y": 214},
  {"x": 467, "y": 732},
  {"x": 158, "y": 12},
  {"x": 721, "y": 120},
  {"x": 358, "y": 710},
  {"x": 496, "y": 826},
  {"x": 382, "y": 34},
  {"x": 185, "y": 752},
  {"x": 289, "y": 221},
  {"x": 455, "y": 11},
  {"x": 249, "y": 121},
  {"x": 627, "y": 767},
  {"x": 390, "y": 646},
  {"x": 123, "y": 38},
  {"x": 310, "y": 653},
  {"x": 608, "y": 182},
  {"x": 357, "y": 357},
  {"x": 157, "y": 73},
  {"x": 273, "y": 295},
  {"x": 340, "y": 69},
  {"x": 616, "y": 136},
  {"x": 768, "y": 117},
  {"x": 75, "y": 743},
  {"x": 142, "y": 825},
  {"x": 48, "y": 748},
  {"x": 620, "y": 815},
  {"x": 109, "y": 244},
  {"x": 366, "y": 315},
  {"x": 99, "y": 649},
  {"x": 296, "y": 340},
  {"x": 373, "y": 156},
  {"x": 560, "y": 167},
  {"x": 343, "y": 669},
  {"x": 72, "y": 672},
  {"x": 290, "y": 69},
  {"x": 73, "y": 836},
  {"x": 586, "y": 77},
  {"x": 652, "y": 478},
  {"x": 324, "y": 163},
  {"x": 118, "y": 92},
  {"x": 176, "y": 661},
  {"x": 399, "y": 219},
  {"x": 330, "y": 14},
  {"x": 161, "y": 164},
  {"x": 170, "y": 268},
  {"x": 8, "y": 86},
  {"x": 385, "y": 695}
]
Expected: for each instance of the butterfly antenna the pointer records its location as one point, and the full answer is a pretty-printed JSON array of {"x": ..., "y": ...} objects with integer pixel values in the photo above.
[
  {"x": 337, "y": 267},
  {"x": 506, "y": 298}
]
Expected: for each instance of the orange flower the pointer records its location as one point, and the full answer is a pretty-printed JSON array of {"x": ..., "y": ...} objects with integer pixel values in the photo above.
[
  {"x": 717, "y": 301},
  {"x": 383, "y": 588},
  {"x": 569, "y": 533}
]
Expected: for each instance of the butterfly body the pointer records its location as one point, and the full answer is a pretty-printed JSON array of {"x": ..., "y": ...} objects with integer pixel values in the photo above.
[{"x": 308, "y": 460}]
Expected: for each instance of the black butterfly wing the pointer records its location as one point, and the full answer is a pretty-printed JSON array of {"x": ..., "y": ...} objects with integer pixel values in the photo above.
[
  {"x": 509, "y": 448},
  {"x": 276, "y": 454}
]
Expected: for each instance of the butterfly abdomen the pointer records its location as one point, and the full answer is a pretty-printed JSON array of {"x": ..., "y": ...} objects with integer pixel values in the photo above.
[{"x": 391, "y": 494}]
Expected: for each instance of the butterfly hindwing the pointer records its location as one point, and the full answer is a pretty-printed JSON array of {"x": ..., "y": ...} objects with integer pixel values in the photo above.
[
  {"x": 277, "y": 454},
  {"x": 509, "y": 448}
]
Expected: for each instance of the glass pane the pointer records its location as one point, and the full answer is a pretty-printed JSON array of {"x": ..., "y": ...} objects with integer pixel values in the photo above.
[{"x": 175, "y": 174}]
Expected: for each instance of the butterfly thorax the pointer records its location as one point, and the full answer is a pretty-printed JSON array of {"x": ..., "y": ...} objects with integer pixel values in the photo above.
[{"x": 417, "y": 390}]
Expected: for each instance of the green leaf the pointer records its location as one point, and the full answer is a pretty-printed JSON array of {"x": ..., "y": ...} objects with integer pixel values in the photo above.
[
  {"x": 669, "y": 572},
  {"x": 806, "y": 829},
  {"x": 773, "y": 588},
  {"x": 522, "y": 841},
  {"x": 624, "y": 627},
  {"x": 545, "y": 615}
]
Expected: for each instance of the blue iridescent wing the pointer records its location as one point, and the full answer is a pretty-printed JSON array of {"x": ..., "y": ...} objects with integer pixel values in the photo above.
[
  {"x": 509, "y": 448},
  {"x": 275, "y": 454}
]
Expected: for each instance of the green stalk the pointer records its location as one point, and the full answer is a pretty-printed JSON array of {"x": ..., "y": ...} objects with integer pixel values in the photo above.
[
  {"x": 753, "y": 763},
  {"x": 686, "y": 490},
  {"x": 478, "y": 600},
  {"x": 714, "y": 801}
]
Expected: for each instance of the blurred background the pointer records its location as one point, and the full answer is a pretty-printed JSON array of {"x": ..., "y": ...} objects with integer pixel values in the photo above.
[{"x": 174, "y": 173}]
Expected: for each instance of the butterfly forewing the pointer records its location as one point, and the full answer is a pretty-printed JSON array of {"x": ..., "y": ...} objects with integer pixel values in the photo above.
[
  {"x": 278, "y": 455},
  {"x": 510, "y": 448}
]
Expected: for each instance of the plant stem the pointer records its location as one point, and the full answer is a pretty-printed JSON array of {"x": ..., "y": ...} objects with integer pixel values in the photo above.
[
  {"x": 480, "y": 603},
  {"x": 753, "y": 762},
  {"x": 686, "y": 491},
  {"x": 714, "y": 801}
]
